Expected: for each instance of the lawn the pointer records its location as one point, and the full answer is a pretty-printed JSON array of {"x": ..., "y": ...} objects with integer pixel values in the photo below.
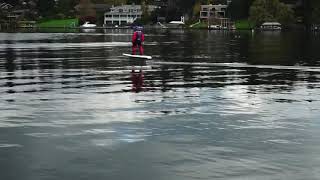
[{"x": 59, "y": 23}]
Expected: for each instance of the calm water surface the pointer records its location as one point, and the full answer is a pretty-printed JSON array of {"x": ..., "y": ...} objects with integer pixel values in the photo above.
[{"x": 209, "y": 105}]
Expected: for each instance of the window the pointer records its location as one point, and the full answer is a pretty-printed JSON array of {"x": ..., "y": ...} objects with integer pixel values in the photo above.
[
  {"x": 204, "y": 14},
  {"x": 108, "y": 22}
]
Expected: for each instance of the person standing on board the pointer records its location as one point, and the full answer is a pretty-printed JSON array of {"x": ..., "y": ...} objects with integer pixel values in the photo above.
[{"x": 137, "y": 40}]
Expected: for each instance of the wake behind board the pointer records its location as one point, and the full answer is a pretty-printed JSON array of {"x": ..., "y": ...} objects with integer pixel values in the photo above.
[{"x": 138, "y": 56}]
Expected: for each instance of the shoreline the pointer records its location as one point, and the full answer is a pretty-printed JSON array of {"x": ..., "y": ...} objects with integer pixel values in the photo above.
[{"x": 147, "y": 27}]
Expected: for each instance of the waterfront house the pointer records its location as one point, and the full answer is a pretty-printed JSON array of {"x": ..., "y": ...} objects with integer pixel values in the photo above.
[
  {"x": 216, "y": 11},
  {"x": 215, "y": 16},
  {"x": 125, "y": 14}
]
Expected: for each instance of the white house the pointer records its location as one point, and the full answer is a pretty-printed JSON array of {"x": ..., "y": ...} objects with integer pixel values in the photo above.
[
  {"x": 217, "y": 11},
  {"x": 125, "y": 14}
]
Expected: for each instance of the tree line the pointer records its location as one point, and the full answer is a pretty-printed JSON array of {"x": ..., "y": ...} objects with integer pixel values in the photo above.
[{"x": 257, "y": 11}]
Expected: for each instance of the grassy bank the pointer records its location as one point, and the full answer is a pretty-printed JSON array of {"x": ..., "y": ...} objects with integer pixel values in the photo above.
[
  {"x": 240, "y": 25},
  {"x": 201, "y": 25},
  {"x": 244, "y": 24},
  {"x": 59, "y": 23}
]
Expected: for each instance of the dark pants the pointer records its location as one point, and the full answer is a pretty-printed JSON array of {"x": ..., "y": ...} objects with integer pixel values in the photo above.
[{"x": 135, "y": 45}]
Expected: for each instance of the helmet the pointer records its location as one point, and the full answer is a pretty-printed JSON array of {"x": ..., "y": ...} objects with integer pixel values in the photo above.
[
  {"x": 134, "y": 28},
  {"x": 139, "y": 28}
]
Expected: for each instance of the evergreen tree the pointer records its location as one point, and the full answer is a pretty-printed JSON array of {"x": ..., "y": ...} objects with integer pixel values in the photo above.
[
  {"x": 270, "y": 10},
  {"x": 239, "y": 9},
  {"x": 46, "y": 8},
  {"x": 134, "y": 1},
  {"x": 315, "y": 12},
  {"x": 66, "y": 7}
]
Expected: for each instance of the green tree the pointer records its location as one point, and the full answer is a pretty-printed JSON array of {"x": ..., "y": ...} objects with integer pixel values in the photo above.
[
  {"x": 239, "y": 9},
  {"x": 285, "y": 15},
  {"x": 111, "y": 2},
  {"x": 196, "y": 8},
  {"x": 270, "y": 10},
  {"x": 315, "y": 11},
  {"x": 86, "y": 11},
  {"x": 46, "y": 8},
  {"x": 134, "y": 1},
  {"x": 66, "y": 7},
  {"x": 145, "y": 12}
]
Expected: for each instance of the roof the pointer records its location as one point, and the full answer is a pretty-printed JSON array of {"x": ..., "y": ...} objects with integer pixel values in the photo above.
[
  {"x": 5, "y": 6},
  {"x": 123, "y": 13},
  {"x": 133, "y": 7},
  {"x": 215, "y": 5},
  {"x": 126, "y": 10},
  {"x": 271, "y": 24}
]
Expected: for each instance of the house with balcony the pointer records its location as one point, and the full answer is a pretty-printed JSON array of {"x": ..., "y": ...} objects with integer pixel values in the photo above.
[
  {"x": 215, "y": 16},
  {"x": 216, "y": 11},
  {"x": 125, "y": 14}
]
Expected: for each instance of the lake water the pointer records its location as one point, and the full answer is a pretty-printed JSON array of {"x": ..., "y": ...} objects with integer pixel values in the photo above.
[{"x": 209, "y": 105}]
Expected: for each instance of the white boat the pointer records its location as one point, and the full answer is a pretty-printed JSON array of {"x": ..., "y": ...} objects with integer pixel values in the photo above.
[
  {"x": 88, "y": 25},
  {"x": 274, "y": 26},
  {"x": 178, "y": 23},
  {"x": 215, "y": 27}
]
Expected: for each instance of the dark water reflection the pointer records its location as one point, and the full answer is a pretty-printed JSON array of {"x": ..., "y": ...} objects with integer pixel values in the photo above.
[{"x": 210, "y": 105}]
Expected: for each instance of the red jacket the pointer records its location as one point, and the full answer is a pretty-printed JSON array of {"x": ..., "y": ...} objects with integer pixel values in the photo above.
[{"x": 135, "y": 36}]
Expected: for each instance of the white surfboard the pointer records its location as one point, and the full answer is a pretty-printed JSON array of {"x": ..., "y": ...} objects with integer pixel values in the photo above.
[
  {"x": 138, "y": 56},
  {"x": 138, "y": 67}
]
